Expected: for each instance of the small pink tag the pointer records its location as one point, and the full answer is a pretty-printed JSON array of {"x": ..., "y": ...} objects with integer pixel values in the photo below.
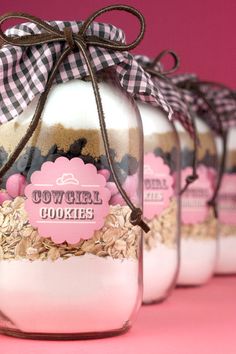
[
  {"x": 227, "y": 199},
  {"x": 194, "y": 200},
  {"x": 157, "y": 185},
  {"x": 67, "y": 200}
]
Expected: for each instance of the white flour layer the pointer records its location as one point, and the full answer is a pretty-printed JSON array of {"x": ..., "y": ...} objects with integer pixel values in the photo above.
[
  {"x": 226, "y": 260},
  {"x": 82, "y": 294},
  {"x": 197, "y": 261},
  {"x": 72, "y": 104},
  {"x": 159, "y": 270},
  {"x": 154, "y": 120}
]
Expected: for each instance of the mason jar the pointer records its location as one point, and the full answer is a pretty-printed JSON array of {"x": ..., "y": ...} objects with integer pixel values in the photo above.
[
  {"x": 226, "y": 260},
  {"x": 198, "y": 222},
  {"x": 161, "y": 204},
  {"x": 70, "y": 261}
]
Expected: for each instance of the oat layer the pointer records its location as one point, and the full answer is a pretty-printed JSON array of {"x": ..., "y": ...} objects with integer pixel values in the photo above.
[
  {"x": 163, "y": 228},
  {"x": 227, "y": 230},
  {"x": 204, "y": 230},
  {"x": 19, "y": 240}
]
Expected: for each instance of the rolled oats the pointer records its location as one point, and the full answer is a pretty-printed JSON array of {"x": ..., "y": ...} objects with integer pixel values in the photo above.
[
  {"x": 204, "y": 230},
  {"x": 163, "y": 228},
  {"x": 227, "y": 230},
  {"x": 19, "y": 240}
]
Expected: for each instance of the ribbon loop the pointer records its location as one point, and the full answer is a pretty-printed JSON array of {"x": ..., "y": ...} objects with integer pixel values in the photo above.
[
  {"x": 156, "y": 67},
  {"x": 113, "y": 44},
  {"x": 51, "y": 33},
  {"x": 163, "y": 54}
]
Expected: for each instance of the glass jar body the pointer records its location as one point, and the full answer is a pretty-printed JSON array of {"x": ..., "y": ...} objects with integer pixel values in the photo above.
[
  {"x": 226, "y": 260},
  {"x": 91, "y": 287},
  {"x": 198, "y": 245},
  {"x": 161, "y": 204}
]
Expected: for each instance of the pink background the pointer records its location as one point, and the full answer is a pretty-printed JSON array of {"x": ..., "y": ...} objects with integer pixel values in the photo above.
[{"x": 202, "y": 32}]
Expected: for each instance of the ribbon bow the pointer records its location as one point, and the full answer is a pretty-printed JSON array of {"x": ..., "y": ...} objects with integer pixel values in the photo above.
[
  {"x": 156, "y": 68},
  {"x": 74, "y": 41}
]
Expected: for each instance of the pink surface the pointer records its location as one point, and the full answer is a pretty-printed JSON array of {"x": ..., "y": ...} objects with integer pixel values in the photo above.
[
  {"x": 201, "y": 32},
  {"x": 193, "y": 321}
]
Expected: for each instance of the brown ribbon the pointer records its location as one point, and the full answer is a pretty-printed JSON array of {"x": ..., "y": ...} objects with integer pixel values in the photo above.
[
  {"x": 152, "y": 68},
  {"x": 74, "y": 41},
  {"x": 194, "y": 176},
  {"x": 155, "y": 68},
  {"x": 195, "y": 87}
]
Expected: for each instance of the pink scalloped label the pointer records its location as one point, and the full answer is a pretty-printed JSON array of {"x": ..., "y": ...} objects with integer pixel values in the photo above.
[
  {"x": 194, "y": 207},
  {"x": 67, "y": 200},
  {"x": 227, "y": 199},
  {"x": 157, "y": 185}
]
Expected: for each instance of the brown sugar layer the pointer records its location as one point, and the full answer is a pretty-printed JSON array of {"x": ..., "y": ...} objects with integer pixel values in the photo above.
[
  {"x": 206, "y": 144},
  {"x": 231, "y": 159},
  {"x": 165, "y": 141},
  {"x": 163, "y": 228},
  {"x": 122, "y": 141}
]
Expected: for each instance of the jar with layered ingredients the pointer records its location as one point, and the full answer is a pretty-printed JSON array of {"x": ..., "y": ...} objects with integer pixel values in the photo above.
[
  {"x": 70, "y": 260},
  {"x": 198, "y": 222},
  {"x": 226, "y": 205},
  {"x": 161, "y": 204}
]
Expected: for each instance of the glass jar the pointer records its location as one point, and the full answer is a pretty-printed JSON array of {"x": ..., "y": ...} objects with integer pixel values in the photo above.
[
  {"x": 198, "y": 228},
  {"x": 70, "y": 261},
  {"x": 161, "y": 204},
  {"x": 226, "y": 260}
]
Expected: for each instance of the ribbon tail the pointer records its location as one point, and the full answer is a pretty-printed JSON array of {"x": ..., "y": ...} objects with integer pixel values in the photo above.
[{"x": 105, "y": 138}]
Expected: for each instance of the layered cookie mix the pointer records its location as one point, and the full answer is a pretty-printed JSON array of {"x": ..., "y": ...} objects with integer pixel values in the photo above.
[
  {"x": 161, "y": 167},
  {"x": 117, "y": 238}
]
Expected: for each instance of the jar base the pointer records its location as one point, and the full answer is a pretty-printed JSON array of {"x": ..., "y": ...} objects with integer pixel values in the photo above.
[
  {"x": 190, "y": 285},
  {"x": 225, "y": 274},
  {"x": 153, "y": 302},
  {"x": 65, "y": 336}
]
